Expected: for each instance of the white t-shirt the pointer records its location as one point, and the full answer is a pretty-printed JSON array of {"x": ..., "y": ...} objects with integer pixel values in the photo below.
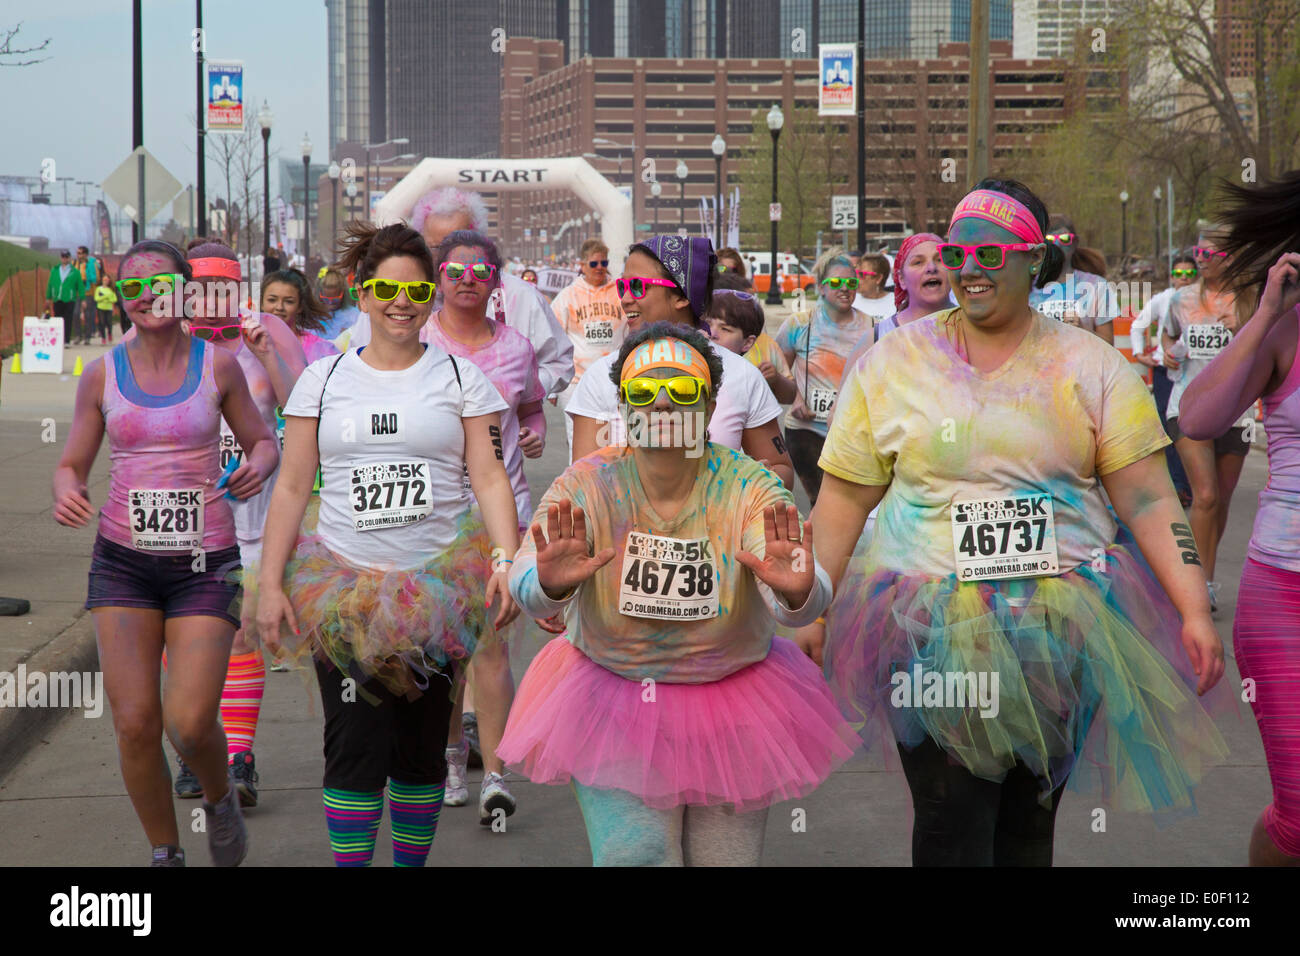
[
  {"x": 744, "y": 400},
  {"x": 881, "y": 308},
  {"x": 1149, "y": 322},
  {"x": 392, "y": 453}
]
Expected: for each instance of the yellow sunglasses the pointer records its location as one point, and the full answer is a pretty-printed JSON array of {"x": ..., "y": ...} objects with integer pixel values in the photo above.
[
  {"x": 682, "y": 389},
  {"x": 385, "y": 290}
]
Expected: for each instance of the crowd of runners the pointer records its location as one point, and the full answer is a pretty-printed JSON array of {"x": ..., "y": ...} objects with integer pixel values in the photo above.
[{"x": 1006, "y": 581}]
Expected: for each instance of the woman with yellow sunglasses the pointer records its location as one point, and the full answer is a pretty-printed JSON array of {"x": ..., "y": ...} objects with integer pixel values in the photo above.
[{"x": 672, "y": 708}]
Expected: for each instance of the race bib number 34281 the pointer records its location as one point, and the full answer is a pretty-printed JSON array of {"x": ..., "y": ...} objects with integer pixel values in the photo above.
[
  {"x": 166, "y": 519},
  {"x": 668, "y": 578},
  {"x": 390, "y": 494},
  {"x": 1004, "y": 538}
]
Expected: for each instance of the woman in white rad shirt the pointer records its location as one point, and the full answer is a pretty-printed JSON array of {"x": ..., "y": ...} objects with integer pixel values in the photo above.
[
  {"x": 669, "y": 278},
  {"x": 388, "y": 595}
]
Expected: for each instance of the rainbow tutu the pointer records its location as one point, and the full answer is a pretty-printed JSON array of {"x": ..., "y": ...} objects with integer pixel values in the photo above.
[
  {"x": 397, "y": 626},
  {"x": 769, "y": 732},
  {"x": 1091, "y": 678}
]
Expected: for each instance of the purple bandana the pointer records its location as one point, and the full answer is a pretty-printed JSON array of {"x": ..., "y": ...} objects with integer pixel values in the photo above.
[{"x": 689, "y": 262}]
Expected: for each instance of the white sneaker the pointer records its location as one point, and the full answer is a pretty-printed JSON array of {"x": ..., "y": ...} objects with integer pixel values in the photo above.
[
  {"x": 456, "y": 793},
  {"x": 492, "y": 797}
]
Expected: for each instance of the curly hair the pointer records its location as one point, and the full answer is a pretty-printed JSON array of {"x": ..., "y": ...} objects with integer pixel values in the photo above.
[{"x": 666, "y": 330}]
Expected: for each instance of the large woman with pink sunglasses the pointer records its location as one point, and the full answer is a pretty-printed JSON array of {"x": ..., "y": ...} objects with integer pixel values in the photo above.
[{"x": 1002, "y": 640}]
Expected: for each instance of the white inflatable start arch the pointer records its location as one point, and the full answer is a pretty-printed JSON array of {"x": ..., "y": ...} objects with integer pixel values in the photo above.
[{"x": 502, "y": 175}]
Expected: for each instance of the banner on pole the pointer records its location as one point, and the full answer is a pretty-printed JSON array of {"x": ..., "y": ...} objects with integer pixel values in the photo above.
[
  {"x": 838, "y": 86},
  {"x": 225, "y": 96}
]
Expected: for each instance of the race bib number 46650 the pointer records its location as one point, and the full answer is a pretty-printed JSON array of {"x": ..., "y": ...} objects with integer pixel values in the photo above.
[
  {"x": 390, "y": 494},
  {"x": 668, "y": 578},
  {"x": 166, "y": 519},
  {"x": 599, "y": 332},
  {"x": 1004, "y": 538}
]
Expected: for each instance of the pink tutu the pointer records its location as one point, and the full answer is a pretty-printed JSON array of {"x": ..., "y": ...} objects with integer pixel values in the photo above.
[{"x": 767, "y": 733}]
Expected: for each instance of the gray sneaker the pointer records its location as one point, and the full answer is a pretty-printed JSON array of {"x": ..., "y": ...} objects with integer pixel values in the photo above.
[
  {"x": 167, "y": 855},
  {"x": 493, "y": 796},
  {"x": 227, "y": 835},
  {"x": 456, "y": 793}
]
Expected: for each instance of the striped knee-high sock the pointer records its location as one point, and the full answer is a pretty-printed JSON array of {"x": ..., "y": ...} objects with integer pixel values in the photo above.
[
  {"x": 353, "y": 822},
  {"x": 241, "y": 700},
  {"x": 413, "y": 813}
]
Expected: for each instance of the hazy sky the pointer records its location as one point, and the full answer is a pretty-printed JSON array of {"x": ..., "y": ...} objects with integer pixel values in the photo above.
[{"x": 76, "y": 106}]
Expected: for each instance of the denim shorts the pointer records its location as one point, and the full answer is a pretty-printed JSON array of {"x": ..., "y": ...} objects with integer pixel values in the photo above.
[{"x": 124, "y": 577}]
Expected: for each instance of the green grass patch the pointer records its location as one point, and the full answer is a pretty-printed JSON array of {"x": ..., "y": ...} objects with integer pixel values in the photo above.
[{"x": 17, "y": 259}]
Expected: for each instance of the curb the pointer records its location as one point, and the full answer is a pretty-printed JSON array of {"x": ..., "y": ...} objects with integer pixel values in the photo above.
[{"x": 22, "y": 728}]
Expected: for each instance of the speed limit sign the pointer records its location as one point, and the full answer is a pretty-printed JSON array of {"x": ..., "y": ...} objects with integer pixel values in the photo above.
[{"x": 844, "y": 212}]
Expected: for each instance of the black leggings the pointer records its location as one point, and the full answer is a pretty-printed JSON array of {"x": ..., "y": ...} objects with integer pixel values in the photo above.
[
  {"x": 964, "y": 820},
  {"x": 805, "y": 451}
]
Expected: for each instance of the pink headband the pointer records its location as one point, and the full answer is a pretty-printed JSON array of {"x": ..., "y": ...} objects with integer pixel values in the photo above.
[
  {"x": 1002, "y": 210},
  {"x": 905, "y": 250},
  {"x": 215, "y": 267}
]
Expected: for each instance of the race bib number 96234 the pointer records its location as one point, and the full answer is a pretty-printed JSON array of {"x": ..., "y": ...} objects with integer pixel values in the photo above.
[
  {"x": 668, "y": 578},
  {"x": 390, "y": 494},
  {"x": 166, "y": 519},
  {"x": 1004, "y": 538},
  {"x": 1207, "y": 341}
]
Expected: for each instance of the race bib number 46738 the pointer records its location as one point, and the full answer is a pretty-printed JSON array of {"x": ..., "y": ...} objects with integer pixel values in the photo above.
[
  {"x": 1207, "y": 341},
  {"x": 390, "y": 494},
  {"x": 1004, "y": 538},
  {"x": 166, "y": 519},
  {"x": 668, "y": 578}
]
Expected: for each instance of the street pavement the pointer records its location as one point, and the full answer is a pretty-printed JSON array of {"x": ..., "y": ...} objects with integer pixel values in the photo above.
[{"x": 62, "y": 801}]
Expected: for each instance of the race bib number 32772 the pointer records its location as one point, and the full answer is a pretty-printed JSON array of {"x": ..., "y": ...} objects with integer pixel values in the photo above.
[
  {"x": 390, "y": 494},
  {"x": 1011, "y": 537},
  {"x": 668, "y": 578}
]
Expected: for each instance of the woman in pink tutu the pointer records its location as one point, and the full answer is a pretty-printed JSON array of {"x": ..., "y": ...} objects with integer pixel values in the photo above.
[{"x": 670, "y": 705}]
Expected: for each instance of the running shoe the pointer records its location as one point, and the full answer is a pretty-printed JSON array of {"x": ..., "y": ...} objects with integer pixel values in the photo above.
[
  {"x": 457, "y": 793},
  {"x": 469, "y": 732},
  {"x": 1213, "y": 587},
  {"x": 280, "y": 665},
  {"x": 243, "y": 770},
  {"x": 227, "y": 835},
  {"x": 493, "y": 797},
  {"x": 168, "y": 855},
  {"x": 187, "y": 785}
]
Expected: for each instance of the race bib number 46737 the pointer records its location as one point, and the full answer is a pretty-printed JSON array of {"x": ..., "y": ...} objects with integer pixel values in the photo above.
[
  {"x": 1004, "y": 538},
  {"x": 166, "y": 519},
  {"x": 668, "y": 578},
  {"x": 390, "y": 494}
]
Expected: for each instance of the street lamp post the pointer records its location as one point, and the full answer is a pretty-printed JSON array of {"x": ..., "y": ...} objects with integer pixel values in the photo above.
[
  {"x": 775, "y": 120},
  {"x": 400, "y": 141},
  {"x": 656, "y": 190},
  {"x": 306, "y": 203},
  {"x": 624, "y": 149},
  {"x": 334, "y": 172},
  {"x": 719, "y": 148},
  {"x": 1123, "y": 228},
  {"x": 264, "y": 118},
  {"x": 1155, "y": 254},
  {"x": 682, "y": 173}
]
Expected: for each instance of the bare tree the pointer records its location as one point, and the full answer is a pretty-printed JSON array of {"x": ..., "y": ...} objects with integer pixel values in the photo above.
[
  {"x": 1193, "y": 77},
  {"x": 7, "y": 48}
]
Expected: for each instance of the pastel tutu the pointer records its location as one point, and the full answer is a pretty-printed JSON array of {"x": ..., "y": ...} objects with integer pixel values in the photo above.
[
  {"x": 766, "y": 733},
  {"x": 1092, "y": 678},
  {"x": 394, "y": 626}
]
